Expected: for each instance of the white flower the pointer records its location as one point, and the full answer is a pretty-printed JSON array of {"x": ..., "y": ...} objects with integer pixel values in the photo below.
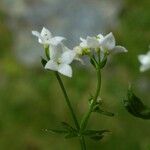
[
  {"x": 78, "y": 53},
  {"x": 145, "y": 62},
  {"x": 89, "y": 42},
  {"x": 60, "y": 59},
  {"x": 108, "y": 44},
  {"x": 46, "y": 38}
]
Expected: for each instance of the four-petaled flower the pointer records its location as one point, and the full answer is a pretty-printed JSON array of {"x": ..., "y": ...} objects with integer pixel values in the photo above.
[
  {"x": 145, "y": 61},
  {"x": 60, "y": 59},
  {"x": 104, "y": 43},
  {"x": 46, "y": 38}
]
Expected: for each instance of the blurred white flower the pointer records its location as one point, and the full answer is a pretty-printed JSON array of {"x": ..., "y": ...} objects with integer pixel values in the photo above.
[
  {"x": 108, "y": 44},
  {"x": 78, "y": 53},
  {"x": 60, "y": 59},
  {"x": 46, "y": 38},
  {"x": 89, "y": 42},
  {"x": 105, "y": 43},
  {"x": 145, "y": 61}
]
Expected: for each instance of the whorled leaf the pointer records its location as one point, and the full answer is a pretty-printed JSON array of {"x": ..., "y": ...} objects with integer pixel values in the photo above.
[
  {"x": 67, "y": 130},
  {"x": 135, "y": 106},
  {"x": 95, "y": 135}
]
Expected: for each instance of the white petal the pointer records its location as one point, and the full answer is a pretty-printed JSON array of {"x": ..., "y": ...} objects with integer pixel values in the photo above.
[
  {"x": 100, "y": 36},
  {"x": 108, "y": 41},
  {"x": 92, "y": 42},
  {"x": 83, "y": 40},
  {"x": 64, "y": 48},
  {"x": 46, "y": 33},
  {"x": 52, "y": 65},
  {"x": 144, "y": 59},
  {"x": 36, "y": 33},
  {"x": 55, "y": 51},
  {"x": 83, "y": 43},
  {"x": 67, "y": 57},
  {"x": 65, "y": 70},
  {"x": 40, "y": 38},
  {"x": 119, "y": 49},
  {"x": 144, "y": 67},
  {"x": 56, "y": 40}
]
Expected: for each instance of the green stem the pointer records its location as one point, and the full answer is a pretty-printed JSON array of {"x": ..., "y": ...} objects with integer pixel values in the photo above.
[
  {"x": 82, "y": 143},
  {"x": 67, "y": 101},
  {"x": 87, "y": 115}
]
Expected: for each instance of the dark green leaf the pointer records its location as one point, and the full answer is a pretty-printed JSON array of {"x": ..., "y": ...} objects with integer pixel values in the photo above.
[
  {"x": 67, "y": 126},
  {"x": 95, "y": 135},
  {"x": 135, "y": 106},
  {"x": 103, "y": 62},
  {"x": 94, "y": 61},
  {"x": 55, "y": 131},
  {"x": 97, "y": 109},
  {"x": 110, "y": 114},
  {"x": 71, "y": 135},
  {"x": 43, "y": 61}
]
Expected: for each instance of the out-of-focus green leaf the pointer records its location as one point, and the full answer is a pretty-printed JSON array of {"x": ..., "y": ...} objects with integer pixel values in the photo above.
[
  {"x": 67, "y": 126},
  {"x": 94, "y": 61},
  {"x": 103, "y": 112},
  {"x": 67, "y": 130},
  {"x": 95, "y": 135},
  {"x": 135, "y": 106},
  {"x": 103, "y": 62},
  {"x": 57, "y": 131}
]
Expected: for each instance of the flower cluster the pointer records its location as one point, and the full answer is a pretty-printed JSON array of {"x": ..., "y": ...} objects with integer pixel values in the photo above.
[
  {"x": 60, "y": 57},
  {"x": 145, "y": 61}
]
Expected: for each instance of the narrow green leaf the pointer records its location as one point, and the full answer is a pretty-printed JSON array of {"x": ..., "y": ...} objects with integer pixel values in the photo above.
[
  {"x": 56, "y": 131},
  {"x": 106, "y": 113},
  {"x": 67, "y": 126},
  {"x": 95, "y": 135},
  {"x": 93, "y": 62},
  {"x": 94, "y": 132},
  {"x": 72, "y": 135},
  {"x": 103, "y": 62}
]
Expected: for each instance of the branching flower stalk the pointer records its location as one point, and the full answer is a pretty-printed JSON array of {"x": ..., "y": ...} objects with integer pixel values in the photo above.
[{"x": 59, "y": 59}]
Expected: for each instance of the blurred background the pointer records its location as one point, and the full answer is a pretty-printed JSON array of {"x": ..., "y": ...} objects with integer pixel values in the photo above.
[{"x": 30, "y": 97}]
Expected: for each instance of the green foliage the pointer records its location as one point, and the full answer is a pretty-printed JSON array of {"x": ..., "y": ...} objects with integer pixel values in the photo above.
[
  {"x": 67, "y": 130},
  {"x": 95, "y": 135},
  {"x": 94, "y": 61},
  {"x": 103, "y": 62},
  {"x": 103, "y": 112},
  {"x": 135, "y": 106}
]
